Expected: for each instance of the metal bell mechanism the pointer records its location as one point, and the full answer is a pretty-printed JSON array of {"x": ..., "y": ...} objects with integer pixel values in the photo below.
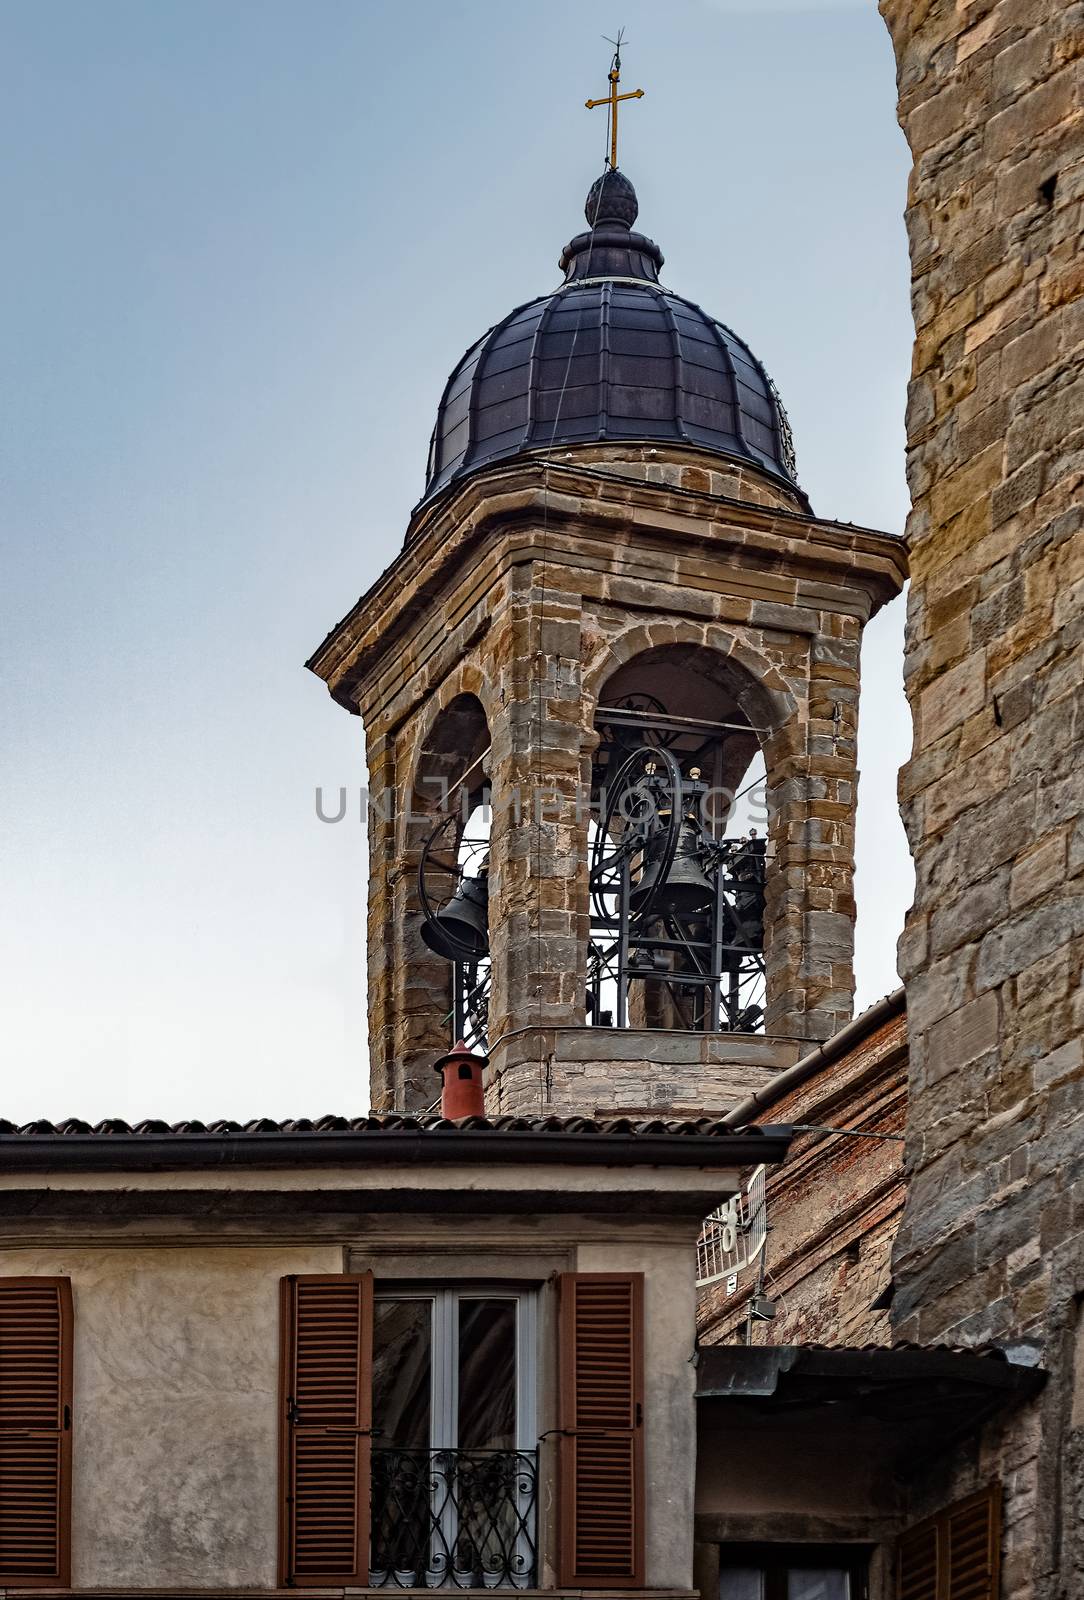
[
  {"x": 746, "y": 872},
  {"x": 460, "y": 930}
]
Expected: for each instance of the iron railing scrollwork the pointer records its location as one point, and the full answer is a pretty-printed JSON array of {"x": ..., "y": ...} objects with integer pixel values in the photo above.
[{"x": 454, "y": 1519}]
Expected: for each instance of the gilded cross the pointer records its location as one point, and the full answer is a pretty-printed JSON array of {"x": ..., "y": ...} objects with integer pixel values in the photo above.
[{"x": 613, "y": 99}]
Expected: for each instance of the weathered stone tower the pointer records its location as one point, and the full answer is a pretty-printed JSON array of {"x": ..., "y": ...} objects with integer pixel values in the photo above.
[
  {"x": 612, "y": 559},
  {"x": 991, "y": 1249}
]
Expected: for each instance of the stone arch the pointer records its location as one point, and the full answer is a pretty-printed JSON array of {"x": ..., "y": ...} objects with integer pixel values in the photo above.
[
  {"x": 450, "y": 747},
  {"x": 760, "y": 689},
  {"x": 691, "y": 681},
  {"x": 728, "y": 678}
]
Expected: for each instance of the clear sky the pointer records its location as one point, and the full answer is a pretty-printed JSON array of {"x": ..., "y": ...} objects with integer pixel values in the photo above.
[{"x": 245, "y": 244}]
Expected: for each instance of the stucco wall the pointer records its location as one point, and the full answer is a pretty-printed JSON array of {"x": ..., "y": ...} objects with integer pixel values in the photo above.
[
  {"x": 176, "y": 1411},
  {"x": 800, "y": 1477},
  {"x": 777, "y": 1470}
]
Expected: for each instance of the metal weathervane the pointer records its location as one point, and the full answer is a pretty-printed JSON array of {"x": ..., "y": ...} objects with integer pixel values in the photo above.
[{"x": 613, "y": 99}]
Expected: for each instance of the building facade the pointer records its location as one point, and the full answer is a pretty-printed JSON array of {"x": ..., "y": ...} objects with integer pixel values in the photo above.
[
  {"x": 421, "y": 1351},
  {"x": 377, "y": 1354},
  {"x": 415, "y": 1351},
  {"x": 989, "y": 1257}
]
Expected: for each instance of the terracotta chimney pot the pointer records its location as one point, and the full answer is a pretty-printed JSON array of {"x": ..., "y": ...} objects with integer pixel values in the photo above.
[{"x": 462, "y": 1094}]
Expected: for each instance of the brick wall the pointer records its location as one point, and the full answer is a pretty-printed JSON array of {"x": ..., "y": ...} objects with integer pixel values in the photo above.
[
  {"x": 992, "y": 1244},
  {"x": 833, "y": 1207}
]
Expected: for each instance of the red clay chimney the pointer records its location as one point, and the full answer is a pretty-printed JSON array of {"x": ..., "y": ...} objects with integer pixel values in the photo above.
[{"x": 461, "y": 1094}]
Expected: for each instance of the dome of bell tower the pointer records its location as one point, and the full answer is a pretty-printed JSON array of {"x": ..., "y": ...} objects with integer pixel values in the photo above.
[{"x": 610, "y": 355}]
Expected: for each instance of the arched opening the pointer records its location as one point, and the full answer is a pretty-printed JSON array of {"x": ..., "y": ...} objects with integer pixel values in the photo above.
[
  {"x": 447, "y": 858},
  {"x": 678, "y": 845},
  {"x": 450, "y": 758}
]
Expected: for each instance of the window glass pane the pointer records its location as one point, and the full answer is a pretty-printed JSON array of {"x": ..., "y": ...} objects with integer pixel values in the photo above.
[
  {"x": 487, "y": 1374},
  {"x": 741, "y": 1583},
  {"x": 805, "y": 1583},
  {"x": 402, "y": 1360}
]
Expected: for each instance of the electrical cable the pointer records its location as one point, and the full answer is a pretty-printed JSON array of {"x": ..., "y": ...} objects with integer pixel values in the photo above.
[{"x": 849, "y": 1133}]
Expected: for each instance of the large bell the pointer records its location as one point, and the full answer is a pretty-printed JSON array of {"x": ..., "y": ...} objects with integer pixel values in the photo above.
[
  {"x": 687, "y": 887},
  {"x": 460, "y": 930}
]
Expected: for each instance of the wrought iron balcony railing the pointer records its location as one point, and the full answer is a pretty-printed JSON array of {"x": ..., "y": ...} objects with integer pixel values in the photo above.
[{"x": 454, "y": 1519}]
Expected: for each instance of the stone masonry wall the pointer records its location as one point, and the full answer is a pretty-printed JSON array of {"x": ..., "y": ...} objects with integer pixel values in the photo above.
[
  {"x": 633, "y": 1072},
  {"x": 992, "y": 1244}
]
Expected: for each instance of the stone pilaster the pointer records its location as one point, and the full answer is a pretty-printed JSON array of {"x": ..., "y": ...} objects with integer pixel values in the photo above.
[{"x": 538, "y": 852}]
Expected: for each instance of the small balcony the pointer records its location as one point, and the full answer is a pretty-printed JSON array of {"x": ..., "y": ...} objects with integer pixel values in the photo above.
[{"x": 463, "y": 1519}]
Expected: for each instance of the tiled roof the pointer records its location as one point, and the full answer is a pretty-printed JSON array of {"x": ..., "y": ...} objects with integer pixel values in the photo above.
[
  {"x": 392, "y": 1122},
  {"x": 119, "y": 1146}
]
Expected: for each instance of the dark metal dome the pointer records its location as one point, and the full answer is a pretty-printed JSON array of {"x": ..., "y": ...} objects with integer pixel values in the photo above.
[{"x": 610, "y": 355}]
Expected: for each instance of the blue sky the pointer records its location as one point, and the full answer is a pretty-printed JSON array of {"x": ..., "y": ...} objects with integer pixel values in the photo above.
[{"x": 246, "y": 244}]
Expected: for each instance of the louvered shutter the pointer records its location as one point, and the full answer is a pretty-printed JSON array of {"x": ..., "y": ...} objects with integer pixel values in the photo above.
[
  {"x": 601, "y": 1430},
  {"x": 917, "y": 1564},
  {"x": 327, "y": 1339},
  {"x": 973, "y": 1541},
  {"x": 955, "y": 1555},
  {"x": 35, "y": 1431}
]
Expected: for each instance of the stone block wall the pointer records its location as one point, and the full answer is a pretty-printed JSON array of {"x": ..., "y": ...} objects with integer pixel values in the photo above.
[
  {"x": 992, "y": 1243},
  {"x": 993, "y": 796},
  {"x": 631, "y": 1072}
]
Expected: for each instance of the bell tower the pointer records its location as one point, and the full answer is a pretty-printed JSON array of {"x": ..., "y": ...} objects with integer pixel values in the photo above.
[{"x": 610, "y": 696}]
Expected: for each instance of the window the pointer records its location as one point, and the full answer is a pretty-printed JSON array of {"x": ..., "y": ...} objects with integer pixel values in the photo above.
[
  {"x": 792, "y": 1572},
  {"x": 454, "y": 1437},
  {"x": 409, "y": 1438}
]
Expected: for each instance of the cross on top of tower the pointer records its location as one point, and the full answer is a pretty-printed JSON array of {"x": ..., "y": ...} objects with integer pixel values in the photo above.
[{"x": 613, "y": 99}]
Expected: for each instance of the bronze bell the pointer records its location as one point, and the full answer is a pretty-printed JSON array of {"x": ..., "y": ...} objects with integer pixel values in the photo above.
[
  {"x": 460, "y": 930},
  {"x": 687, "y": 888}
]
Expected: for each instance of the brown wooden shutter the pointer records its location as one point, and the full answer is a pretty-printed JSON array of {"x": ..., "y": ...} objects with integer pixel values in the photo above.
[
  {"x": 327, "y": 1344},
  {"x": 956, "y": 1554},
  {"x": 35, "y": 1431},
  {"x": 917, "y": 1563},
  {"x": 973, "y": 1555},
  {"x": 602, "y": 1435}
]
